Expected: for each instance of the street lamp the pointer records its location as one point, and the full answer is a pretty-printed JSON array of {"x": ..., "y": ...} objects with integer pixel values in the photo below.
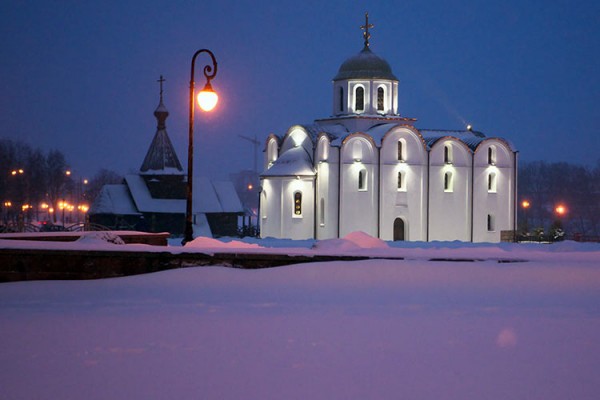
[{"x": 207, "y": 100}]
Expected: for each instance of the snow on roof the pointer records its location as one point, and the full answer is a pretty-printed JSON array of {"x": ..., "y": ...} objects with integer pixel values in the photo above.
[
  {"x": 293, "y": 162},
  {"x": 114, "y": 199},
  {"x": 230, "y": 202},
  {"x": 144, "y": 201}
]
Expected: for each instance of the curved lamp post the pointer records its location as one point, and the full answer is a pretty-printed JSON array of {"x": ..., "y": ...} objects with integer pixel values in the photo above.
[{"x": 207, "y": 100}]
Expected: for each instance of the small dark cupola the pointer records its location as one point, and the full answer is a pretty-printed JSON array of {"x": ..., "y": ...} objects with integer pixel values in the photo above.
[{"x": 161, "y": 158}]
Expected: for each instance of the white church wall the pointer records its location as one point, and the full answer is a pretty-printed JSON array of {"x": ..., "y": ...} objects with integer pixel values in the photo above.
[
  {"x": 296, "y": 225},
  {"x": 406, "y": 199},
  {"x": 270, "y": 207},
  {"x": 295, "y": 137},
  {"x": 327, "y": 186},
  {"x": 493, "y": 191},
  {"x": 359, "y": 204},
  {"x": 449, "y": 191}
]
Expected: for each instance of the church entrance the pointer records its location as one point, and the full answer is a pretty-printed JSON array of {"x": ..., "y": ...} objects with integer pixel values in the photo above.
[{"x": 398, "y": 229}]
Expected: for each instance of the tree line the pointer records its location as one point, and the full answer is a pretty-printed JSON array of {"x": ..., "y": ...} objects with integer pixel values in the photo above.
[
  {"x": 543, "y": 187},
  {"x": 33, "y": 182}
]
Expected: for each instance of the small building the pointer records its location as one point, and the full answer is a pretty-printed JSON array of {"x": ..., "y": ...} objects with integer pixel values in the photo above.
[
  {"x": 367, "y": 168},
  {"x": 154, "y": 199}
]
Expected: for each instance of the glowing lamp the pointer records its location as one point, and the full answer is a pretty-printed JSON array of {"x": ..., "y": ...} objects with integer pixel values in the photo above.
[
  {"x": 525, "y": 204},
  {"x": 561, "y": 210},
  {"x": 207, "y": 98}
]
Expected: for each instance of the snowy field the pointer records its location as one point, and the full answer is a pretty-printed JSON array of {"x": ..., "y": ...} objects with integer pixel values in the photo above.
[{"x": 377, "y": 329}]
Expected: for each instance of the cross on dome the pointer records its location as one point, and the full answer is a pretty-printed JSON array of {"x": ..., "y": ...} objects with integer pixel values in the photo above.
[
  {"x": 366, "y": 27},
  {"x": 161, "y": 80}
]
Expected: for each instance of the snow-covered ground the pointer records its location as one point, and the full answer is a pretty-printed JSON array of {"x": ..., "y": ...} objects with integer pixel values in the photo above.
[{"x": 376, "y": 329}]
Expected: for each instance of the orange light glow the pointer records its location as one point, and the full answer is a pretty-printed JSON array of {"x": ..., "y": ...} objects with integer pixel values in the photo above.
[
  {"x": 561, "y": 209},
  {"x": 525, "y": 204},
  {"x": 7, "y": 204},
  {"x": 44, "y": 206},
  {"x": 68, "y": 173},
  {"x": 83, "y": 208},
  {"x": 51, "y": 210},
  {"x": 250, "y": 186},
  {"x": 207, "y": 98}
]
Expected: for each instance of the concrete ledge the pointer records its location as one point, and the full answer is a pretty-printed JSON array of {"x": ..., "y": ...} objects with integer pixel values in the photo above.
[
  {"x": 44, "y": 264},
  {"x": 155, "y": 239}
]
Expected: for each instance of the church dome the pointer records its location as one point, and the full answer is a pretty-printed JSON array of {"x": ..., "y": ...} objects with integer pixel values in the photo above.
[{"x": 365, "y": 65}]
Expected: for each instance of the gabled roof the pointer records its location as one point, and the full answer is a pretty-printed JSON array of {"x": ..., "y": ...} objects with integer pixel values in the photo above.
[
  {"x": 220, "y": 197},
  {"x": 114, "y": 199}
]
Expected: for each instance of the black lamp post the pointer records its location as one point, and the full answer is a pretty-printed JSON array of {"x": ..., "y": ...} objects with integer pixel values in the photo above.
[{"x": 207, "y": 99}]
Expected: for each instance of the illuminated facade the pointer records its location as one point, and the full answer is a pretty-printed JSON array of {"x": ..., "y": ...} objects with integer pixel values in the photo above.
[{"x": 366, "y": 168}]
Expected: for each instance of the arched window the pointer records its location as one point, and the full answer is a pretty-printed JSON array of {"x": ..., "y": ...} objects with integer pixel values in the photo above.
[
  {"x": 490, "y": 223},
  {"x": 448, "y": 182},
  {"x": 341, "y": 99},
  {"x": 448, "y": 154},
  {"x": 491, "y": 155},
  {"x": 380, "y": 97},
  {"x": 362, "y": 179},
  {"x": 298, "y": 204},
  {"x": 492, "y": 182},
  {"x": 359, "y": 99},
  {"x": 400, "y": 150}
]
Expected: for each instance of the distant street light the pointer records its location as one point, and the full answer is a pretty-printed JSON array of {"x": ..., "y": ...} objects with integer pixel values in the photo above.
[
  {"x": 561, "y": 210},
  {"x": 207, "y": 100}
]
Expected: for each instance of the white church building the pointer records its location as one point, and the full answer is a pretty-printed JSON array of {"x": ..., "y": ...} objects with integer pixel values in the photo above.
[{"x": 366, "y": 168}]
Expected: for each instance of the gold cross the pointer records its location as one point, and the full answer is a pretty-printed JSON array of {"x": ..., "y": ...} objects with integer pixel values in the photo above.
[{"x": 366, "y": 27}]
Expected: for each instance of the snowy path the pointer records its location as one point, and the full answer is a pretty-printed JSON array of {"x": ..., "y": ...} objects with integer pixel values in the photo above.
[{"x": 378, "y": 329}]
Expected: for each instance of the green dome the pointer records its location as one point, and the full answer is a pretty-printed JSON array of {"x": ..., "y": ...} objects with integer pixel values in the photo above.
[{"x": 365, "y": 65}]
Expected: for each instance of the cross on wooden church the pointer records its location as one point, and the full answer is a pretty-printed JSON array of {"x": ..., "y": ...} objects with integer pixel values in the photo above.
[
  {"x": 161, "y": 80},
  {"x": 366, "y": 27}
]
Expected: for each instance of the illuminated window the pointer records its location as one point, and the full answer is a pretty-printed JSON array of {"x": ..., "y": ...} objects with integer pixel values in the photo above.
[
  {"x": 298, "y": 204},
  {"x": 359, "y": 99},
  {"x": 491, "y": 155},
  {"x": 380, "y": 94},
  {"x": 490, "y": 223},
  {"x": 341, "y": 99},
  {"x": 400, "y": 151},
  {"x": 362, "y": 179},
  {"x": 447, "y": 154},
  {"x": 448, "y": 182},
  {"x": 492, "y": 182}
]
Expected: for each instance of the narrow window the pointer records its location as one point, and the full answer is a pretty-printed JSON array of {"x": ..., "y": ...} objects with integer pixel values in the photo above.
[
  {"x": 490, "y": 223},
  {"x": 359, "y": 95},
  {"x": 401, "y": 181},
  {"x": 491, "y": 156},
  {"x": 298, "y": 203},
  {"x": 380, "y": 94},
  {"x": 400, "y": 151},
  {"x": 341, "y": 99},
  {"x": 448, "y": 182},
  {"x": 322, "y": 215},
  {"x": 362, "y": 179},
  {"x": 447, "y": 154},
  {"x": 492, "y": 182}
]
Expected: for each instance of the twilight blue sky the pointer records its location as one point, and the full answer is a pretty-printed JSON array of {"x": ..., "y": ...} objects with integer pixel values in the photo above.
[{"x": 80, "y": 76}]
